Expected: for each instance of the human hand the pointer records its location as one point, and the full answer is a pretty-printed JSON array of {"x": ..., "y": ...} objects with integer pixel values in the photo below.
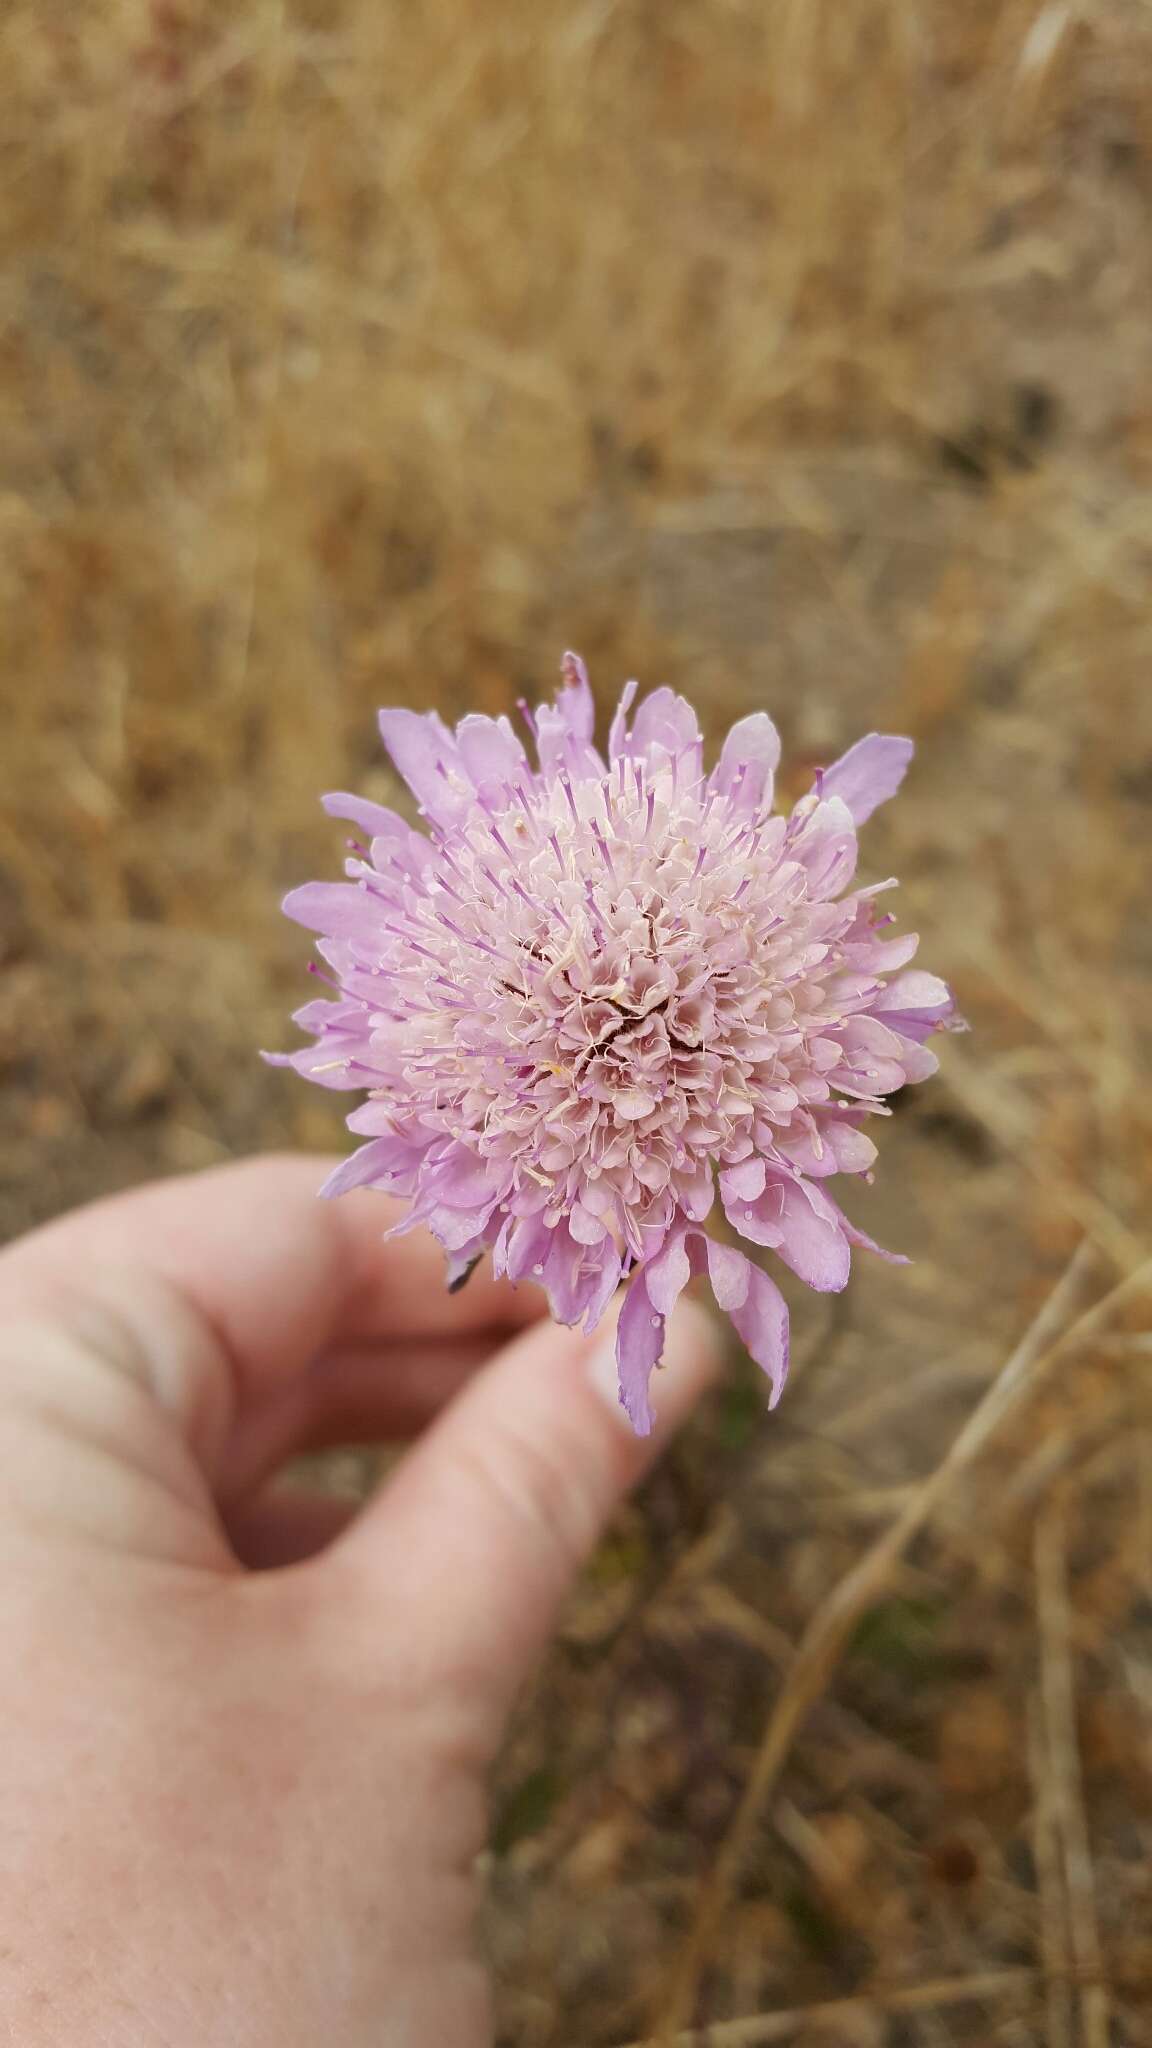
[{"x": 242, "y": 1807}]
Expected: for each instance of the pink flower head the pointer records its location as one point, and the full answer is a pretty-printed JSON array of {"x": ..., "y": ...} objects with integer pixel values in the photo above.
[{"x": 590, "y": 996}]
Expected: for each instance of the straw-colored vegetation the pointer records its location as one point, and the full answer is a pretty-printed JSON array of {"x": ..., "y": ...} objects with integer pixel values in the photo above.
[{"x": 796, "y": 352}]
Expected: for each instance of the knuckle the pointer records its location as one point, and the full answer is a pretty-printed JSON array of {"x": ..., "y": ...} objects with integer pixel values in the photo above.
[{"x": 540, "y": 1487}]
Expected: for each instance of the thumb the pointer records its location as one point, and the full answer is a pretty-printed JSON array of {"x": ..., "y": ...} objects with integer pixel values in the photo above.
[{"x": 483, "y": 1528}]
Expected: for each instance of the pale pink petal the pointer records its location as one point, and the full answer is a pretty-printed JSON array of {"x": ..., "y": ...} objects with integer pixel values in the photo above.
[
  {"x": 868, "y": 774},
  {"x": 813, "y": 1242},
  {"x": 728, "y": 1272},
  {"x": 664, "y": 722},
  {"x": 797, "y": 1221},
  {"x": 374, "y": 819},
  {"x": 463, "y": 1179},
  {"x": 639, "y": 1343},
  {"x": 634, "y": 1103},
  {"x": 618, "y": 734},
  {"x": 575, "y": 702},
  {"x": 573, "y": 1273},
  {"x": 376, "y": 1119},
  {"x": 323, "y": 1015},
  {"x": 668, "y": 1274},
  {"x": 744, "y": 1181},
  {"x": 834, "y": 1147},
  {"x": 452, "y": 1227},
  {"x": 490, "y": 751},
  {"x": 320, "y": 1063},
  {"x": 827, "y": 849},
  {"x": 602, "y": 1266},
  {"x": 885, "y": 955},
  {"x": 342, "y": 910},
  {"x": 749, "y": 758},
  {"x": 916, "y": 1004},
  {"x": 697, "y": 1196},
  {"x": 427, "y": 756},
  {"x": 586, "y": 1228},
  {"x": 762, "y": 1321},
  {"x": 564, "y": 729},
  {"x": 378, "y": 1164},
  {"x": 526, "y": 1248},
  {"x": 756, "y": 1306}
]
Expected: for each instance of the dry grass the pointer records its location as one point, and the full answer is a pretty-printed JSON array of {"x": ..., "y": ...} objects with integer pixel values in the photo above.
[{"x": 795, "y": 353}]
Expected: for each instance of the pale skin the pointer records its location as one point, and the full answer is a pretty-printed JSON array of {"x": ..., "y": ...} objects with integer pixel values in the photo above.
[{"x": 244, "y": 1737}]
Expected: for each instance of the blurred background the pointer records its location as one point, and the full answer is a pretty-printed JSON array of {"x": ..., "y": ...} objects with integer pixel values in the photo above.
[{"x": 796, "y": 354}]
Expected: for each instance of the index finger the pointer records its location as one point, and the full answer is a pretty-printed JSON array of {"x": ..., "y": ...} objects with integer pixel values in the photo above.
[{"x": 278, "y": 1275}]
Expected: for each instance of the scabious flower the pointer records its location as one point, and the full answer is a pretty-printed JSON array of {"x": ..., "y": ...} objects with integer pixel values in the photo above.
[{"x": 591, "y": 998}]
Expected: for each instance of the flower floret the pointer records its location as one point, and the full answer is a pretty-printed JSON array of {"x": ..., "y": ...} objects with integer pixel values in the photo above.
[{"x": 594, "y": 1000}]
